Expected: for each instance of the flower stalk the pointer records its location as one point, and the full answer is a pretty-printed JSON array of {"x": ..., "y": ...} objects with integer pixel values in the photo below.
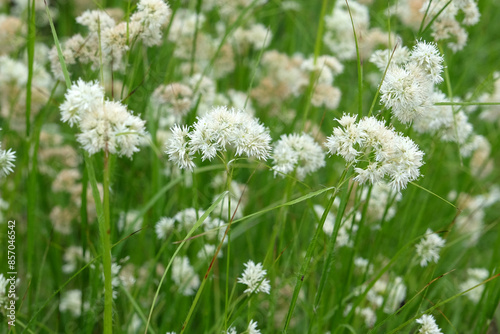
[{"x": 106, "y": 251}]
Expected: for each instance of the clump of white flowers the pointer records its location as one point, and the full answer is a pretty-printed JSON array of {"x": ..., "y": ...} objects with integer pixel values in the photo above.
[
  {"x": 474, "y": 277},
  {"x": 7, "y": 158},
  {"x": 428, "y": 248},
  {"x": 184, "y": 276},
  {"x": 147, "y": 22},
  {"x": 173, "y": 101},
  {"x": 376, "y": 151},
  {"x": 251, "y": 329},
  {"x": 108, "y": 41},
  {"x": 429, "y": 325},
  {"x": 71, "y": 301},
  {"x": 406, "y": 88},
  {"x": 104, "y": 125},
  {"x": 214, "y": 133},
  {"x": 298, "y": 153},
  {"x": 254, "y": 278},
  {"x": 339, "y": 37}
]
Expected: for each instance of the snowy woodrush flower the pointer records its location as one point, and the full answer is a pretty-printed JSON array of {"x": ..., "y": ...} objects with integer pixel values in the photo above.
[
  {"x": 429, "y": 325},
  {"x": 104, "y": 125},
  {"x": 405, "y": 91},
  {"x": 71, "y": 301},
  {"x": 297, "y": 152},
  {"x": 184, "y": 276},
  {"x": 427, "y": 57},
  {"x": 214, "y": 132},
  {"x": 7, "y": 158},
  {"x": 147, "y": 22},
  {"x": 474, "y": 277},
  {"x": 253, "y": 277},
  {"x": 410, "y": 80},
  {"x": 252, "y": 328},
  {"x": 428, "y": 248},
  {"x": 164, "y": 226},
  {"x": 376, "y": 151},
  {"x": 79, "y": 99},
  {"x": 95, "y": 20}
]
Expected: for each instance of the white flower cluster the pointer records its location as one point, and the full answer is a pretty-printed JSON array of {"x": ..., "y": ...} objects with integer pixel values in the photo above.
[
  {"x": 288, "y": 77},
  {"x": 104, "y": 125},
  {"x": 446, "y": 27},
  {"x": 115, "y": 38},
  {"x": 429, "y": 325},
  {"x": 256, "y": 36},
  {"x": 428, "y": 248},
  {"x": 406, "y": 89},
  {"x": 474, "y": 208},
  {"x": 4, "y": 300},
  {"x": 376, "y": 151},
  {"x": 172, "y": 101},
  {"x": 71, "y": 301},
  {"x": 185, "y": 220},
  {"x": 254, "y": 278},
  {"x": 297, "y": 152},
  {"x": 147, "y": 22},
  {"x": 7, "y": 158},
  {"x": 339, "y": 36},
  {"x": 251, "y": 329},
  {"x": 474, "y": 277},
  {"x": 184, "y": 276},
  {"x": 214, "y": 133}
]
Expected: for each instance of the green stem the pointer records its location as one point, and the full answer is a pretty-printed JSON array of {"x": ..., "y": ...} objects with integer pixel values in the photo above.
[
  {"x": 358, "y": 61},
  {"x": 317, "y": 49},
  {"x": 312, "y": 245},
  {"x": 106, "y": 251}
]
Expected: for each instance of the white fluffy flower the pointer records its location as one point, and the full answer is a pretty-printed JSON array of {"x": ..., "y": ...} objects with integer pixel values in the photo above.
[
  {"x": 405, "y": 91},
  {"x": 254, "y": 278},
  {"x": 429, "y": 325},
  {"x": 7, "y": 158},
  {"x": 177, "y": 148},
  {"x": 71, "y": 301},
  {"x": 79, "y": 99},
  {"x": 214, "y": 133},
  {"x": 475, "y": 277},
  {"x": 297, "y": 152},
  {"x": 388, "y": 153},
  {"x": 252, "y": 327},
  {"x": 184, "y": 276},
  {"x": 426, "y": 55},
  {"x": 96, "y": 20},
  {"x": 163, "y": 227},
  {"x": 147, "y": 22},
  {"x": 428, "y": 248},
  {"x": 110, "y": 127}
]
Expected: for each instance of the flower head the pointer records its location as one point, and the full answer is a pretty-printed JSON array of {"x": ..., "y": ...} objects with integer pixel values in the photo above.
[
  {"x": 104, "y": 125},
  {"x": 214, "y": 133},
  {"x": 297, "y": 152},
  {"x": 253, "y": 277},
  {"x": 376, "y": 151},
  {"x": 426, "y": 55},
  {"x": 429, "y": 325},
  {"x": 7, "y": 158},
  {"x": 428, "y": 248},
  {"x": 81, "y": 98}
]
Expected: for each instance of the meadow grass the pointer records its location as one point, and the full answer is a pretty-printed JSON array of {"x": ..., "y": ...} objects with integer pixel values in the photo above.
[{"x": 128, "y": 276}]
